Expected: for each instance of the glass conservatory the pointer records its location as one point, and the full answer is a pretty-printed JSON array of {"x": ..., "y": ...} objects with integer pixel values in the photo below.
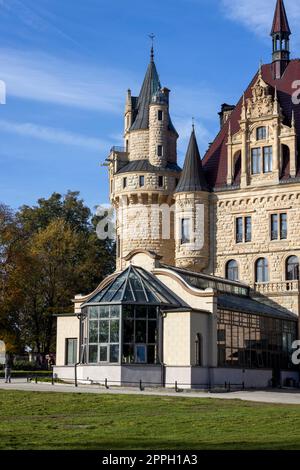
[{"x": 121, "y": 324}]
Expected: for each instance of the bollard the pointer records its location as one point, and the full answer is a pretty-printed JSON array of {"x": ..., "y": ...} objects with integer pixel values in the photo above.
[
  {"x": 52, "y": 379},
  {"x": 176, "y": 387},
  {"x": 141, "y": 386},
  {"x": 243, "y": 385},
  {"x": 106, "y": 384},
  {"x": 36, "y": 379}
]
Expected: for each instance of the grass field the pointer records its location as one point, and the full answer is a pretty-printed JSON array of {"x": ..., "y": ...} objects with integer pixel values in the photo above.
[{"x": 33, "y": 420}]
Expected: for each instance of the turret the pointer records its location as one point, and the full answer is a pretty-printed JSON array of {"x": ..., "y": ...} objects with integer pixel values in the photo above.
[
  {"x": 144, "y": 174},
  {"x": 280, "y": 40},
  {"x": 192, "y": 213}
]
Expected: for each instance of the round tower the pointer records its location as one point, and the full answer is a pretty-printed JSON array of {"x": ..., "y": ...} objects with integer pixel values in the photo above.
[
  {"x": 192, "y": 213},
  {"x": 144, "y": 174}
]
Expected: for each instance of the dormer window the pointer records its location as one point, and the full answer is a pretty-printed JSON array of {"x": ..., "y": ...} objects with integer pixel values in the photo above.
[{"x": 261, "y": 133}]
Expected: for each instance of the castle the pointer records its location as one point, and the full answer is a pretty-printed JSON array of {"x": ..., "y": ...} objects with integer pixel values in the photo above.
[{"x": 206, "y": 289}]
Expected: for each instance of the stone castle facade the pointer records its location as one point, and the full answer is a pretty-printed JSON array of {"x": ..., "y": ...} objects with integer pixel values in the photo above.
[{"x": 247, "y": 184}]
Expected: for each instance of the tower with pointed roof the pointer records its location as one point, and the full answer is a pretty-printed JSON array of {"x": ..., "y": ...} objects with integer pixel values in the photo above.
[
  {"x": 281, "y": 40},
  {"x": 192, "y": 213},
  {"x": 144, "y": 174}
]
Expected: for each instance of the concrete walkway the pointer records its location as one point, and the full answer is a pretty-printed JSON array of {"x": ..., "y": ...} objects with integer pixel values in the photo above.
[{"x": 266, "y": 396}]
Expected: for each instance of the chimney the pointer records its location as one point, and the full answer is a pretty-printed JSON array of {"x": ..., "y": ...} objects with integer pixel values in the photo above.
[{"x": 226, "y": 110}]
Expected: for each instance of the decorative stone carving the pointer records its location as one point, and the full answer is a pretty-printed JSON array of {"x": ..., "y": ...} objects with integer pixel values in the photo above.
[{"x": 261, "y": 103}]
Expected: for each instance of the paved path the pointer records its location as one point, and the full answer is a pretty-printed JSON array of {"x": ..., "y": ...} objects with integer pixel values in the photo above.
[{"x": 280, "y": 396}]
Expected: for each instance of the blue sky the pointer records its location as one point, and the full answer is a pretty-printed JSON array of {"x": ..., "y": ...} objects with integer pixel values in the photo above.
[{"x": 68, "y": 63}]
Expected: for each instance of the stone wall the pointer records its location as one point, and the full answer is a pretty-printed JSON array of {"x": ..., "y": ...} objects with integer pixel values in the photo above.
[{"x": 259, "y": 204}]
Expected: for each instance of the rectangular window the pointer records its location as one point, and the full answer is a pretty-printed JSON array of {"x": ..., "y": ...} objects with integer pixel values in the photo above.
[
  {"x": 268, "y": 159},
  {"x": 256, "y": 161},
  {"x": 248, "y": 229},
  {"x": 160, "y": 181},
  {"x": 71, "y": 351},
  {"x": 283, "y": 226},
  {"x": 141, "y": 354},
  {"x": 274, "y": 227},
  {"x": 243, "y": 229},
  {"x": 142, "y": 181},
  {"x": 160, "y": 150},
  {"x": 118, "y": 246},
  {"x": 239, "y": 230},
  {"x": 160, "y": 115},
  {"x": 279, "y": 226},
  {"x": 185, "y": 231},
  {"x": 124, "y": 183}
]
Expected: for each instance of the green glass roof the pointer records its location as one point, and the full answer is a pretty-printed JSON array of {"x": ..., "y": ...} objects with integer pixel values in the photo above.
[{"x": 136, "y": 286}]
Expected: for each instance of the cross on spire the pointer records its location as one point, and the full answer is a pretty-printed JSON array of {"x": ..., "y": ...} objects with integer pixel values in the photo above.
[{"x": 152, "y": 37}]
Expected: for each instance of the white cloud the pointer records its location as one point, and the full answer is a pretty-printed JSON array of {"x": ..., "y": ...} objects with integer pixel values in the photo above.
[
  {"x": 53, "y": 135},
  {"x": 44, "y": 78},
  {"x": 257, "y": 15}
]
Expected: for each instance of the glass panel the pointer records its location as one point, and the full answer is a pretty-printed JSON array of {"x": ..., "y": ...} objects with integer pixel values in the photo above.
[
  {"x": 140, "y": 332},
  {"x": 274, "y": 227},
  {"x": 115, "y": 311},
  {"x": 248, "y": 229},
  {"x": 152, "y": 312},
  {"x": 114, "y": 331},
  {"x": 128, "y": 333},
  {"x": 140, "y": 354},
  {"x": 93, "y": 331},
  {"x": 128, "y": 311},
  {"x": 185, "y": 231},
  {"x": 104, "y": 331},
  {"x": 103, "y": 354},
  {"x": 104, "y": 312},
  {"x": 141, "y": 312},
  {"x": 283, "y": 226},
  {"x": 128, "y": 353},
  {"x": 256, "y": 160},
  {"x": 268, "y": 157},
  {"x": 71, "y": 353},
  {"x": 93, "y": 312},
  {"x": 151, "y": 354},
  {"x": 93, "y": 354},
  {"x": 114, "y": 353},
  {"x": 239, "y": 230},
  {"x": 137, "y": 288},
  {"x": 152, "y": 326}
]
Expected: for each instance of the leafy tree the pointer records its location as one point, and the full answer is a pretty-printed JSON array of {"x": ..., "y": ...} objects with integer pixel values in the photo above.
[{"x": 48, "y": 253}]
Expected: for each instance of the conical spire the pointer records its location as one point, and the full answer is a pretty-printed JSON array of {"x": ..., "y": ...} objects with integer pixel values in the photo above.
[
  {"x": 150, "y": 86},
  {"x": 280, "y": 22},
  {"x": 192, "y": 177}
]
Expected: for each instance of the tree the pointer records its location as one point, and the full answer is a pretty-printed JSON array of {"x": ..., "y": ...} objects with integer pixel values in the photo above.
[{"x": 49, "y": 253}]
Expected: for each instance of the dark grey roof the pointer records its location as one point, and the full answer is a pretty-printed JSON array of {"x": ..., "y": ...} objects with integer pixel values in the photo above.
[
  {"x": 150, "y": 86},
  {"x": 192, "y": 177},
  {"x": 145, "y": 165},
  {"x": 135, "y": 285},
  {"x": 248, "y": 305}
]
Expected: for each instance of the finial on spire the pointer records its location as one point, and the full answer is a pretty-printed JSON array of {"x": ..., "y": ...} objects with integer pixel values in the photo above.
[
  {"x": 193, "y": 124},
  {"x": 293, "y": 119},
  {"x": 260, "y": 67},
  {"x": 152, "y": 37}
]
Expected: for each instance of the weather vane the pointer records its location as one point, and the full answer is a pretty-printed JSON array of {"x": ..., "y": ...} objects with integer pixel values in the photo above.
[
  {"x": 193, "y": 123},
  {"x": 152, "y": 37}
]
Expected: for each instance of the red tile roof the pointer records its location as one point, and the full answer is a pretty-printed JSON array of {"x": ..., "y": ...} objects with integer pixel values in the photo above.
[
  {"x": 215, "y": 160},
  {"x": 280, "y": 22}
]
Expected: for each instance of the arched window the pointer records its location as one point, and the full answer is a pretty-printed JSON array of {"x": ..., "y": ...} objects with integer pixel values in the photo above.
[
  {"x": 292, "y": 268},
  {"x": 261, "y": 133},
  {"x": 262, "y": 270},
  {"x": 232, "y": 270}
]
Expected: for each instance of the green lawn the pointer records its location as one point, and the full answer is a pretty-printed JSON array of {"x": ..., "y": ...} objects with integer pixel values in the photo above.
[{"x": 34, "y": 420}]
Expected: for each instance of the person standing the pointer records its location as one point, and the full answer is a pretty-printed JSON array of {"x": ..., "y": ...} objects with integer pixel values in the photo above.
[{"x": 8, "y": 366}]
